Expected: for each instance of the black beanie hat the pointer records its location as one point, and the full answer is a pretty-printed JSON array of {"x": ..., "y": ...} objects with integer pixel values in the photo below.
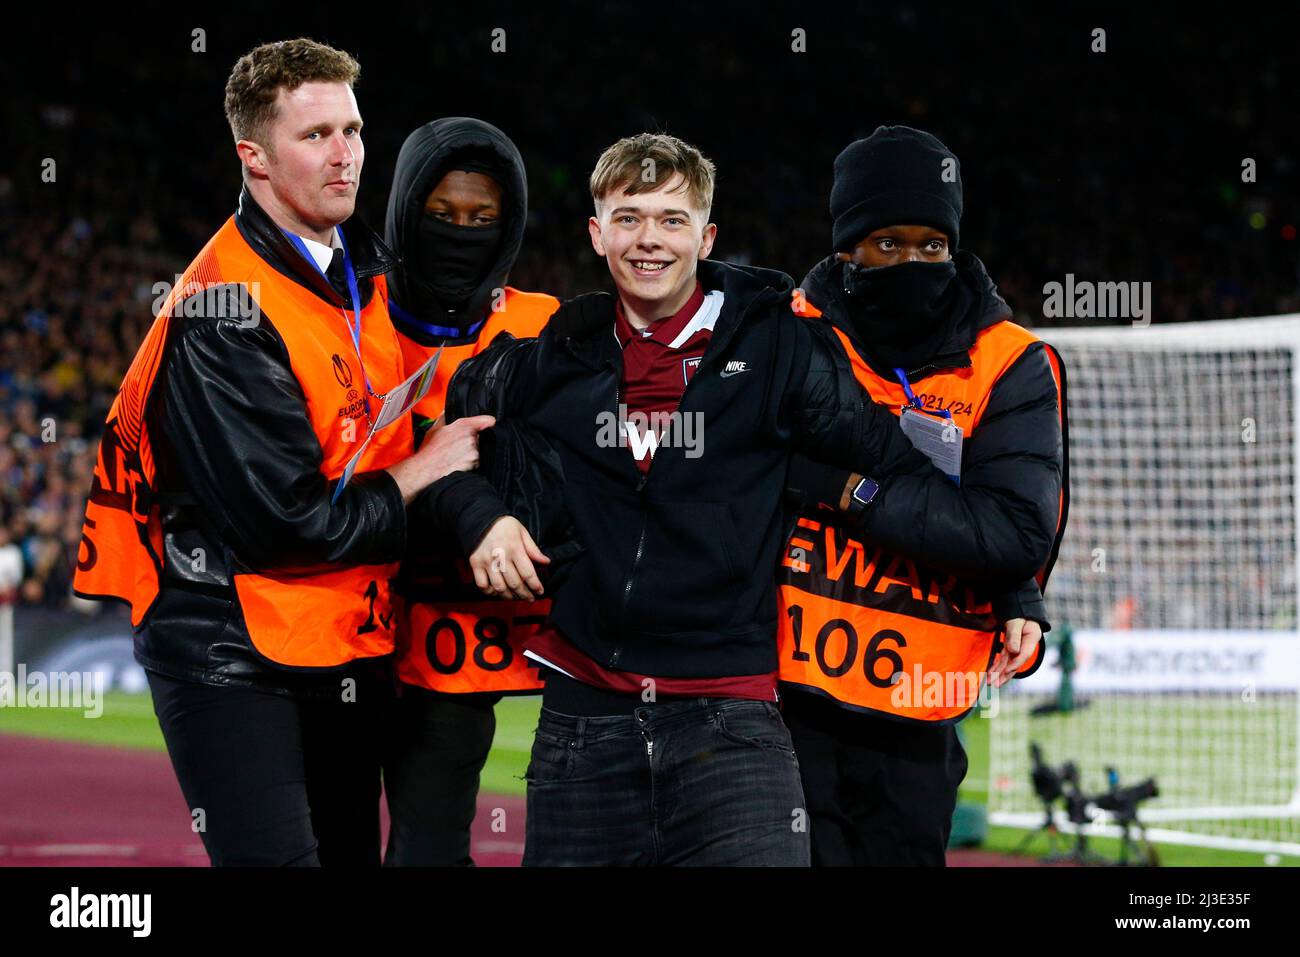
[{"x": 896, "y": 176}]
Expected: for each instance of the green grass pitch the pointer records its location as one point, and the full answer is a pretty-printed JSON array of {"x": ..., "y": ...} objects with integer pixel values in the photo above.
[{"x": 128, "y": 721}]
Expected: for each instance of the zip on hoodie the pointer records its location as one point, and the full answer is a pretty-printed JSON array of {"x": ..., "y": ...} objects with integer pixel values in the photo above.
[
  {"x": 718, "y": 344},
  {"x": 721, "y": 345},
  {"x": 640, "y": 545}
]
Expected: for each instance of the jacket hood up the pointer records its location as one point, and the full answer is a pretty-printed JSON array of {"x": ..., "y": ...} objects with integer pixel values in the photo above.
[{"x": 425, "y": 157}]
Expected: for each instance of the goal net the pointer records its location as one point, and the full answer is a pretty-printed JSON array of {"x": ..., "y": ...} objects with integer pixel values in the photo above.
[{"x": 1177, "y": 577}]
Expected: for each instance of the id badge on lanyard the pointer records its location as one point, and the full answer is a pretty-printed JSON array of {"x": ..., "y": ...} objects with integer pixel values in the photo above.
[
  {"x": 395, "y": 403},
  {"x": 933, "y": 433},
  {"x": 354, "y": 324}
]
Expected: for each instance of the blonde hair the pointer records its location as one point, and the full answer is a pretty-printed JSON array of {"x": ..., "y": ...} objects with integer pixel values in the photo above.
[{"x": 625, "y": 165}]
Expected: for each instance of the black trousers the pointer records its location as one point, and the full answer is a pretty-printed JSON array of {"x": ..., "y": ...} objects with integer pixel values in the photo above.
[
  {"x": 273, "y": 780},
  {"x": 881, "y": 793},
  {"x": 704, "y": 782},
  {"x": 431, "y": 776}
]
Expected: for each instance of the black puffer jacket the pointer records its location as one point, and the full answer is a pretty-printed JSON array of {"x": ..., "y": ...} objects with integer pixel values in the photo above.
[
  {"x": 1000, "y": 525},
  {"x": 524, "y": 467}
]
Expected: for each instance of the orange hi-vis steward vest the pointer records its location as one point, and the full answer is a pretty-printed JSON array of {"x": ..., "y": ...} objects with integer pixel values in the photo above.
[
  {"x": 874, "y": 630},
  {"x": 449, "y": 642},
  {"x": 321, "y": 618}
]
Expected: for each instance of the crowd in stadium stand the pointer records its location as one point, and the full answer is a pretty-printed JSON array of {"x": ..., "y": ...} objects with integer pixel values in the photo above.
[{"x": 1108, "y": 186}]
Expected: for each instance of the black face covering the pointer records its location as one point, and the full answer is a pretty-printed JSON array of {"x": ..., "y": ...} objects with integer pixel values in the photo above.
[
  {"x": 453, "y": 260},
  {"x": 904, "y": 313}
]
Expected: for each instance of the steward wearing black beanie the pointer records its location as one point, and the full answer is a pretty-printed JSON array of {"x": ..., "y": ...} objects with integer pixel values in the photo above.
[
  {"x": 948, "y": 552},
  {"x": 895, "y": 175}
]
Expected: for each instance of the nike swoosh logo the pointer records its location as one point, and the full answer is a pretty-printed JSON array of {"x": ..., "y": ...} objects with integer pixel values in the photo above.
[{"x": 727, "y": 375}]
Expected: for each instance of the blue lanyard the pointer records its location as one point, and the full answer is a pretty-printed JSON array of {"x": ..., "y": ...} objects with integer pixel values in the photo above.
[
  {"x": 913, "y": 401},
  {"x": 354, "y": 330},
  {"x": 444, "y": 332}
]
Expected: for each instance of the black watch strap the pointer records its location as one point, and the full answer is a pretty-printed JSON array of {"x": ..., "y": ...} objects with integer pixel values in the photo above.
[{"x": 861, "y": 496}]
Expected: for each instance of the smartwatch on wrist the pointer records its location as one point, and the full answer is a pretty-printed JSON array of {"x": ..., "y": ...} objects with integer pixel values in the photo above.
[{"x": 861, "y": 497}]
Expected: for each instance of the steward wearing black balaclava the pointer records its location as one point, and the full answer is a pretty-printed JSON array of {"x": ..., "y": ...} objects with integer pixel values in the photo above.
[
  {"x": 911, "y": 314},
  {"x": 450, "y": 297},
  {"x": 928, "y": 335},
  {"x": 443, "y": 288}
]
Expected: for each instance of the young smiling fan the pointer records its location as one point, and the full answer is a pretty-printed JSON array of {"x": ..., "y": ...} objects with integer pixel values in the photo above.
[{"x": 660, "y": 741}]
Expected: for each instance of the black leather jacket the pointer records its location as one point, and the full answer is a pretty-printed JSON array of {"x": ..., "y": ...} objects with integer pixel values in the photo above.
[{"x": 238, "y": 478}]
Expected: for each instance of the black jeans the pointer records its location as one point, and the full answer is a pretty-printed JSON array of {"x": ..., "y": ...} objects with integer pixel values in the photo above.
[
  {"x": 279, "y": 780},
  {"x": 431, "y": 777},
  {"x": 696, "y": 781},
  {"x": 880, "y": 792}
]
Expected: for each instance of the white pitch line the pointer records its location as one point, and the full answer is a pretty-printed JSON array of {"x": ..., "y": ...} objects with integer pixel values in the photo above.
[{"x": 84, "y": 850}]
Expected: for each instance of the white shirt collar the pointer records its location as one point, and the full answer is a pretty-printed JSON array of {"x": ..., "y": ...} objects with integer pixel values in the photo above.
[
  {"x": 320, "y": 252},
  {"x": 706, "y": 317}
]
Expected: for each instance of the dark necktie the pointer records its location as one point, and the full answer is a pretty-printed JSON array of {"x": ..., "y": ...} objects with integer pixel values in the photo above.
[{"x": 336, "y": 274}]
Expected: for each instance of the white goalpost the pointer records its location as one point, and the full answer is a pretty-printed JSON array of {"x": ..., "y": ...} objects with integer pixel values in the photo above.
[{"x": 1178, "y": 579}]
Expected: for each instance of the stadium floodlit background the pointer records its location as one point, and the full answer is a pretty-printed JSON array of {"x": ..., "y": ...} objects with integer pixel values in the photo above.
[{"x": 1178, "y": 576}]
